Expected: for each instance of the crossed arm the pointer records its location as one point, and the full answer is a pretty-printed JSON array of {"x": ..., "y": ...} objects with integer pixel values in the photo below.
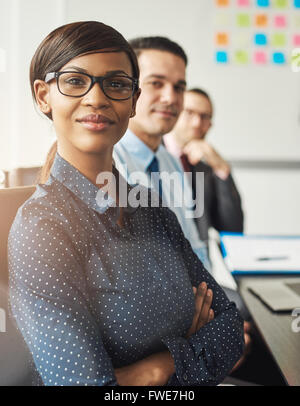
[{"x": 158, "y": 368}]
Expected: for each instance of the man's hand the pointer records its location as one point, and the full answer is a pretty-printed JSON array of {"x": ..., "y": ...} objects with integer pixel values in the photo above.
[
  {"x": 197, "y": 150},
  {"x": 203, "y": 312}
]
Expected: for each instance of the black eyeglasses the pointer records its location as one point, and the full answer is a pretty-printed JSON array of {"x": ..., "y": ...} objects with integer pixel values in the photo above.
[{"x": 77, "y": 84}]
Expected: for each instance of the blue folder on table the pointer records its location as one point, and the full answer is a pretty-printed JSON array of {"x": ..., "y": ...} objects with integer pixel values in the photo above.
[{"x": 261, "y": 254}]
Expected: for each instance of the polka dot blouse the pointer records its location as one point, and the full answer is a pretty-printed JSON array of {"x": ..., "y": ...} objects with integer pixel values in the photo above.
[{"x": 89, "y": 296}]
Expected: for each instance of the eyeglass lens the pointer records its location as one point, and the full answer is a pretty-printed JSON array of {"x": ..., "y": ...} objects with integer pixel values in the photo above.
[{"x": 77, "y": 84}]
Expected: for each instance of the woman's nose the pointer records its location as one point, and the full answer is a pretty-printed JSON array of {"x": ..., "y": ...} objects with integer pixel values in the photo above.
[{"x": 96, "y": 97}]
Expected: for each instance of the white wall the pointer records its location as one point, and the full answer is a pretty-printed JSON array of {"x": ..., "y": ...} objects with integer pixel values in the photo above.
[{"x": 257, "y": 109}]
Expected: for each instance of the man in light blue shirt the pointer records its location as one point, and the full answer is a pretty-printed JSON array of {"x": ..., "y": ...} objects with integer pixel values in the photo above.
[{"x": 162, "y": 80}]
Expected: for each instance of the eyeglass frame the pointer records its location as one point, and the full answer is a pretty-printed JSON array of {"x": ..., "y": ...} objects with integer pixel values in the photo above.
[{"x": 94, "y": 79}]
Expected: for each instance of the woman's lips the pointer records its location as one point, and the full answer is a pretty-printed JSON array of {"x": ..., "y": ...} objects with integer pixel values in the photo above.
[{"x": 95, "y": 122}]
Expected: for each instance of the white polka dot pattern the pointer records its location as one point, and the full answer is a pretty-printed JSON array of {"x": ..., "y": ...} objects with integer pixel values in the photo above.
[{"x": 89, "y": 296}]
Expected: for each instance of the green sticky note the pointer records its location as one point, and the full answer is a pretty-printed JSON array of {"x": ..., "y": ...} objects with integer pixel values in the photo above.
[
  {"x": 278, "y": 39},
  {"x": 243, "y": 20},
  {"x": 241, "y": 57},
  {"x": 281, "y": 3}
]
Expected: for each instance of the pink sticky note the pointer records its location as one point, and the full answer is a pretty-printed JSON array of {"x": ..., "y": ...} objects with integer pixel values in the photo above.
[
  {"x": 280, "y": 21},
  {"x": 260, "y": 58},
  {"x": 244, "y": 3},
  {"x": 296, "y": 40}
]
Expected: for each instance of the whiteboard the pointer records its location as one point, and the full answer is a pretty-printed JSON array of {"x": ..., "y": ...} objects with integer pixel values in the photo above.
[{"x": 257, "y": 108}]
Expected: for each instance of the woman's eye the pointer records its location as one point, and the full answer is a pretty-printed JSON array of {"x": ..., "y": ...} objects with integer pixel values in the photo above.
[{"x": 75, "y": 81}]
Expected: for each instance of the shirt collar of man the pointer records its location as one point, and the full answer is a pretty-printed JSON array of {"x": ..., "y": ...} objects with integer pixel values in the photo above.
[
  {"x": 85, "y": 190},
  {"x": 141, "y": 152}
]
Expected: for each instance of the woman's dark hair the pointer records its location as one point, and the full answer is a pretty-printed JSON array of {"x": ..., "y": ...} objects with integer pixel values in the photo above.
[
  {"x": 68, "y": 42},
  {"x": 159, "y": 43}
]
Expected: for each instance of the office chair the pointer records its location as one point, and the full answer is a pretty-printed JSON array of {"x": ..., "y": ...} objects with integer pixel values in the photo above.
[
  {"x": 16, "y": 365},
  {"x": 23, "y": 176}
]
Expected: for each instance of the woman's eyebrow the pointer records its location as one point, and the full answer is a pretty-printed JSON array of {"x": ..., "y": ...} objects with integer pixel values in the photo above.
[{"x": 82, "y": 70}]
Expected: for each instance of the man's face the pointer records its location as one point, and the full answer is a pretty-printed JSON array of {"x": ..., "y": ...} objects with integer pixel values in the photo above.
[
  {"x": 195, "y": 119},
  {"x": 162, "y": 80}
]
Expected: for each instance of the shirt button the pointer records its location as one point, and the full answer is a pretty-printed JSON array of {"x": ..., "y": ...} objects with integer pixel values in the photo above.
[{"x": 184, "y": 377}]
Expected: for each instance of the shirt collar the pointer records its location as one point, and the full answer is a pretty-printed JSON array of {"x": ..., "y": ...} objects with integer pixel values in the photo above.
[
  {"x": 85, "y": 190},
  {"x": 141, "y": 152}
]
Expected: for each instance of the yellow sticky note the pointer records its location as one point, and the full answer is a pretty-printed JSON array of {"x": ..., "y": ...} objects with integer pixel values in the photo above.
[
  {"x": 278, "y": 39},
  {"x": 243, "y": 20},
  {"x": 281, "y": 3},
  {"x": 222, "y": 19},
  {"x": 241, "y": 57},
  {"x": 241, "y": 39}
]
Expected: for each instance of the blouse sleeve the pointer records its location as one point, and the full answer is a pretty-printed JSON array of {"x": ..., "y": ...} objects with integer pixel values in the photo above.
[
  {"x": 206, "y": 357},
  {"x": 49, "y": 301}
]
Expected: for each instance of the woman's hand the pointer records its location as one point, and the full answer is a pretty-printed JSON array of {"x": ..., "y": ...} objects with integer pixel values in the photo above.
[
  {"x": 151, "y": 371},
  {"x": 203, "y": 312}
]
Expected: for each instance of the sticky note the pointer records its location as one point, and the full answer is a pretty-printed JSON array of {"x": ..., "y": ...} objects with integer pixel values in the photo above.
[
  {"x": 243, "y": 3},
  {"x": 261, "y": 20},
  {"x": 241, "y": 57},
  {"x": 243, "y": 20},
  {"x": 280, "y": 21},
  {"x": 281, "y": 3},
  {"x": 241, "y": 39},
  {"x": 296, "y": 21},
  {"x": 278, "y": 39},
  {"x": 222, "y": 38},
  {"x": 222, "y": 3},
  {"x": 260, "y": 58},
  {"x": 295, "y": 61},
  {"x": 263, "y": 3},
  {"x": 221, "y": 57},
  {"x": 296, "y": 40},
  {"x": 2, "y": 60},
  {"x": 260, "y": 39},
  {"x": 278, "y": 58},
  {"x": 222, "y": 20},
  {"x": 297, "y": 3}
]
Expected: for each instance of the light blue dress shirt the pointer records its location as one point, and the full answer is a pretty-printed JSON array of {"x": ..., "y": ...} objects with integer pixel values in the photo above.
[{"x": 132, "y": 158}]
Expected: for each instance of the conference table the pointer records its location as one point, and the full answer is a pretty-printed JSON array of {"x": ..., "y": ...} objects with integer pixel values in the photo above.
[{"x": 279, "y": 331}]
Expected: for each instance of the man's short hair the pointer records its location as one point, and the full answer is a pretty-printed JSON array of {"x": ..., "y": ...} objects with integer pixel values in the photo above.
[
  {"x": 159, "y": 43},
  {"x": 201, "y": 92},
  {"x": 197, "y": 90}
]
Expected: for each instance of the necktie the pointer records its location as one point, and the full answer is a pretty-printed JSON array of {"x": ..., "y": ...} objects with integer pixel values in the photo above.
[
  {"x": 153, "y": 169},
  {"x": 185, "y": 163}
]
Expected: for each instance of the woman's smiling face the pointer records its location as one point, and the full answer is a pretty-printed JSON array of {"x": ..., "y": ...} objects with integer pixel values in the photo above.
[{"x": 92, "y": 123}]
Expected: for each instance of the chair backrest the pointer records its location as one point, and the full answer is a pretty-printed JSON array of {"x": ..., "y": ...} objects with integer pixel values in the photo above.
[
  {"x": 16, "y": 366},
  {"x": 23, "y": 176}
]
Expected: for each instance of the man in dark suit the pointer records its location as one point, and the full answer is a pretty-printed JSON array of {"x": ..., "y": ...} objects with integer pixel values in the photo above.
[{"x": 187, "y": 141}]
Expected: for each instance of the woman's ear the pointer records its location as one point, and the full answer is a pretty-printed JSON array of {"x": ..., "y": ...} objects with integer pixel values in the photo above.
[
  {"x": 41, "y": 90},
  {"x": 134, "y": 101}
]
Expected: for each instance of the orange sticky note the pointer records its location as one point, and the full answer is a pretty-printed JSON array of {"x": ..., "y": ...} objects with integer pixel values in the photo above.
[
  {"x": 222, "y": 38},
  {"x": 261, "y": 20},
  {"x": 222, "y": 3}
]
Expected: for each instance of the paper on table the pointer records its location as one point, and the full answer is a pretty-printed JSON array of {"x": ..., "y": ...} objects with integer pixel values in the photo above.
[{"x": 251, "y": 253}]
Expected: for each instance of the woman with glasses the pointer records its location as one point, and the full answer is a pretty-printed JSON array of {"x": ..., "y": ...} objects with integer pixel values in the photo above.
[{"x": 106, "y": 293}]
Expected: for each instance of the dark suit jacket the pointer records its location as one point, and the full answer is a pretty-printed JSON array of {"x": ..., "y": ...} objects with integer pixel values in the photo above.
[{"x": 222, "y": 203}]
